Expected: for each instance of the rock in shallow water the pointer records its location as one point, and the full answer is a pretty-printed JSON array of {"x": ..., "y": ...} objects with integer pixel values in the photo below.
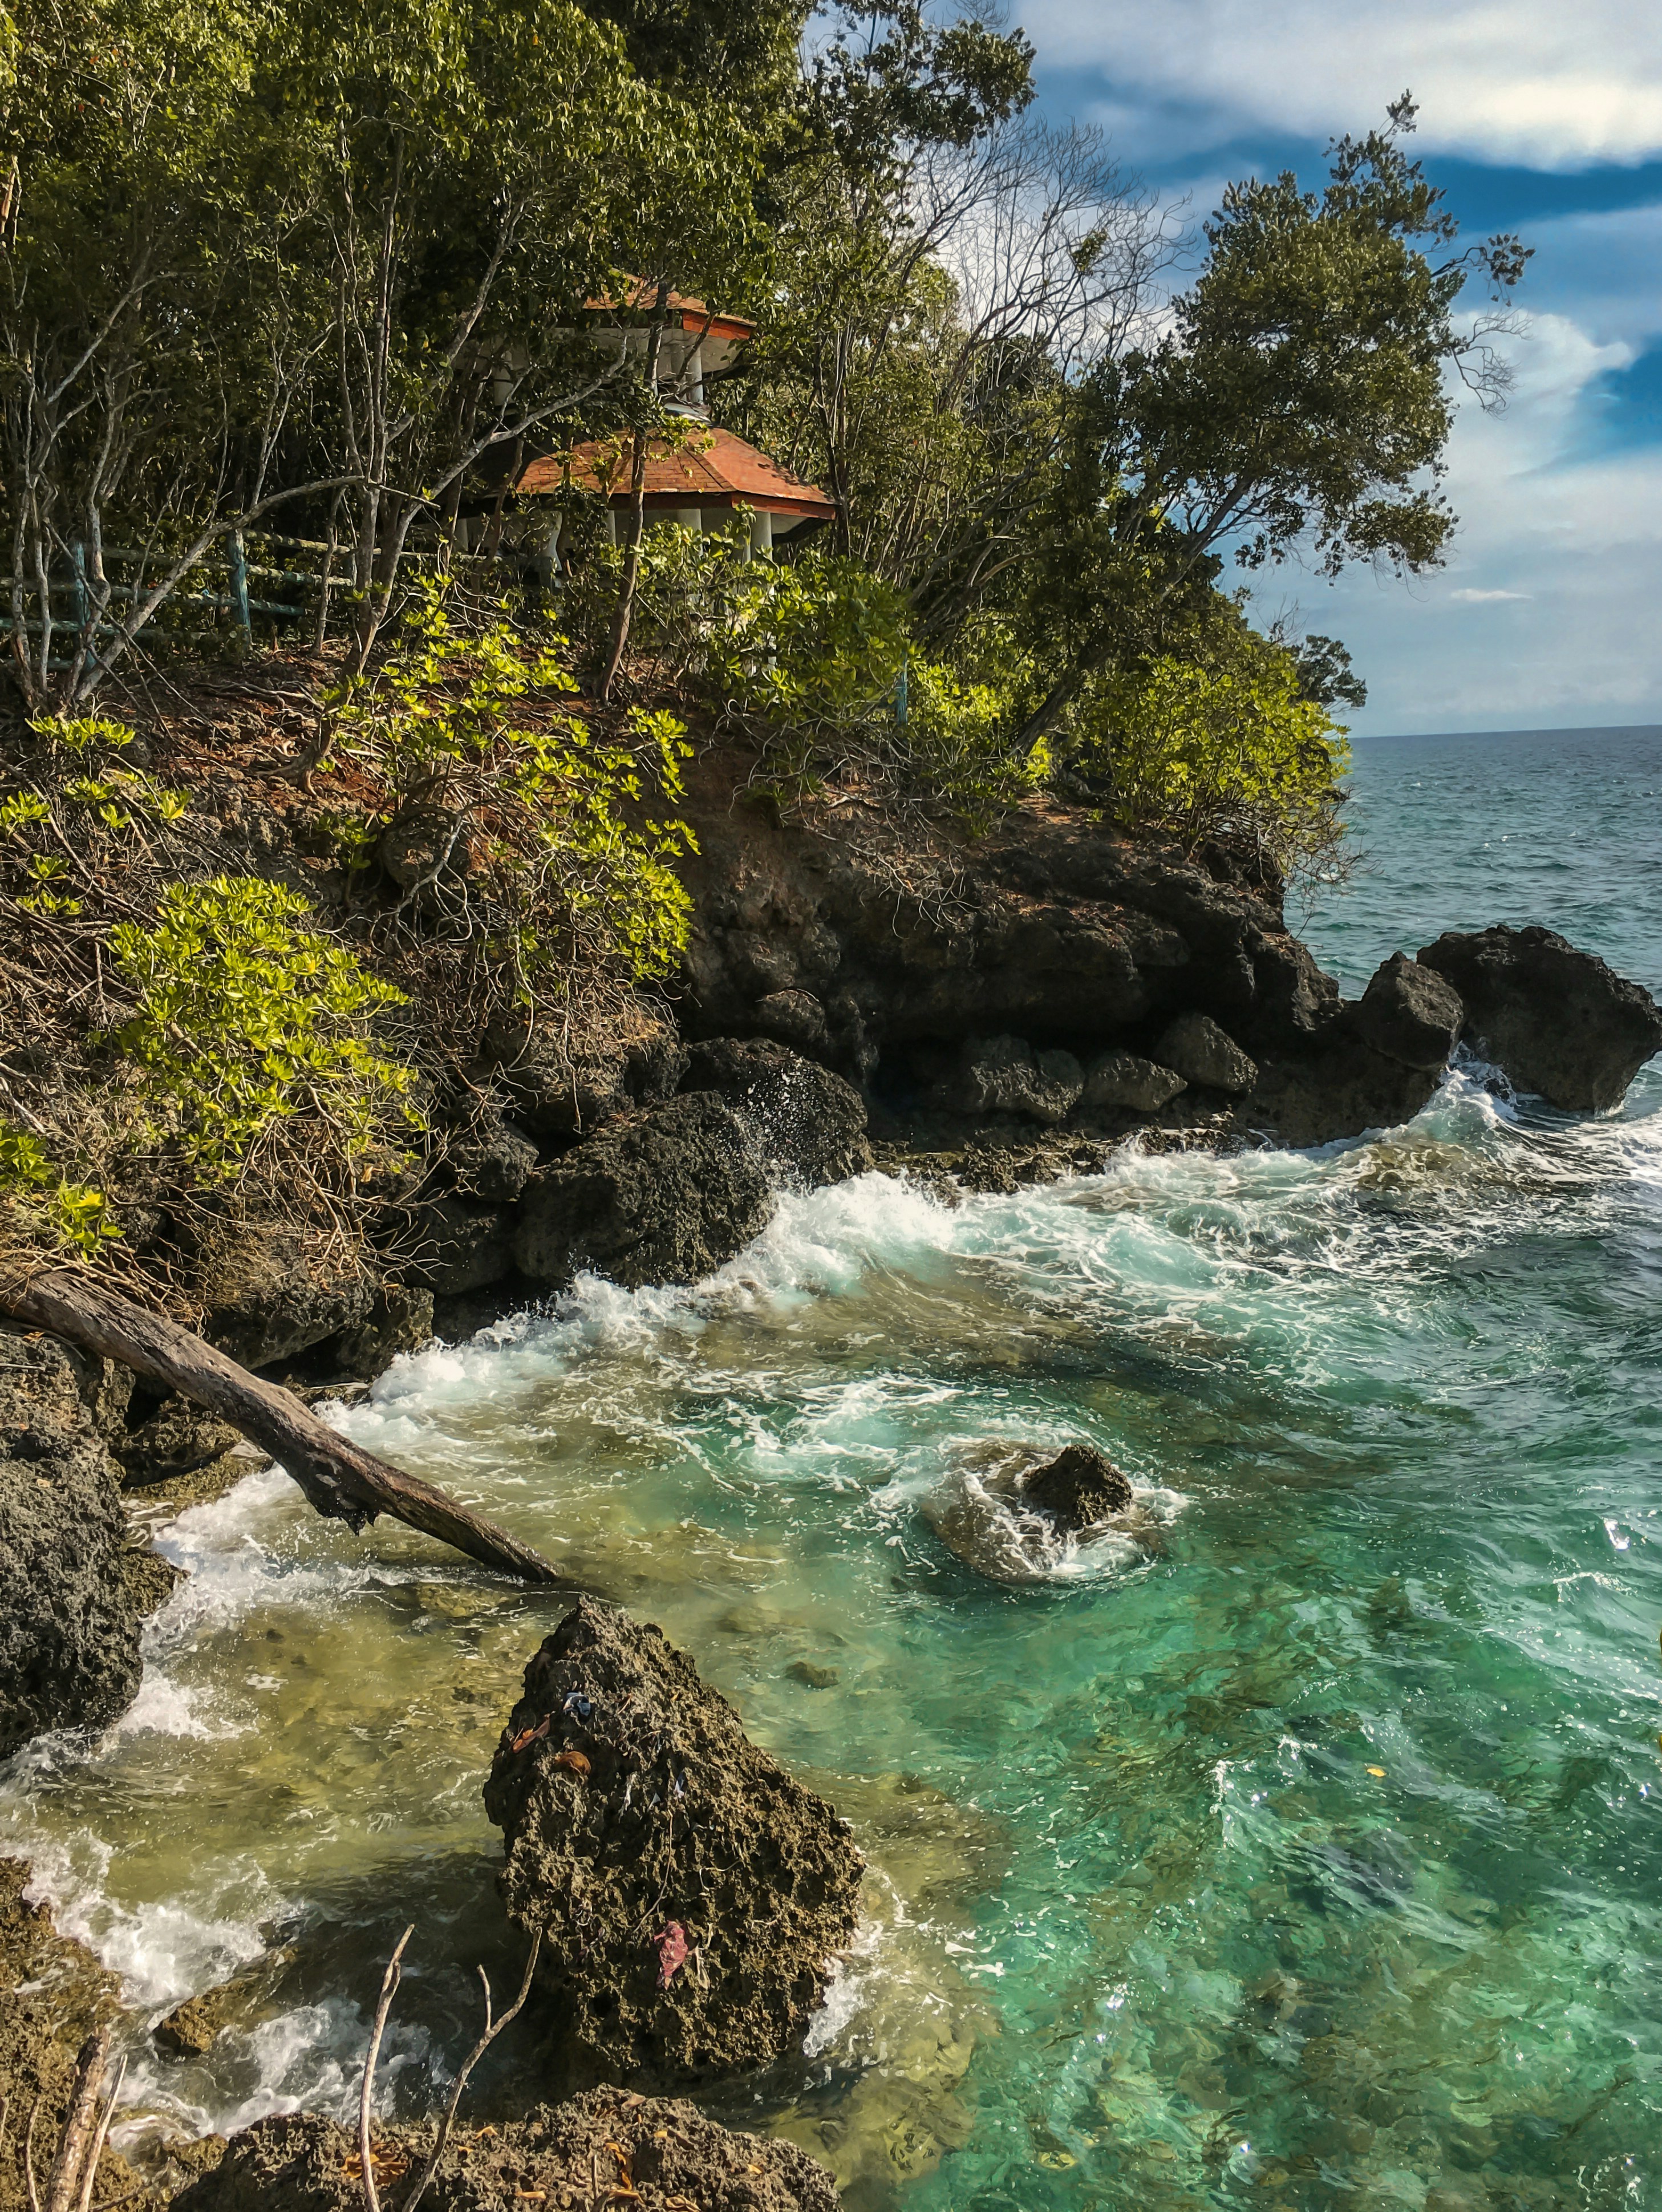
[
  {"x": 666, "y": 1195},
  {"x": 1409, "y": 1014},
  {"x": 606, "y": 2147},
  {"x": 1560, "y": 1022},
  {"x": 692, "y": 1894},
  {"x": 1078, "y": 1487}
]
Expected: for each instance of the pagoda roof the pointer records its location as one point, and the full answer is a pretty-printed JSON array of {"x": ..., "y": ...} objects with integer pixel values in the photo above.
[
  {"x": 681, "y": 309},
  {"x": 712, "y": 469}
]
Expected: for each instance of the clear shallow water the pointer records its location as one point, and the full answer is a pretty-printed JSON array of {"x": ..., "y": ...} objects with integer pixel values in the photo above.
[{"x": 1308, "y": 1858}]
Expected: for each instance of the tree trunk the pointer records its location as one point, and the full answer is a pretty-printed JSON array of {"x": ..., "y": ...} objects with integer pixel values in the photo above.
[
  {"x": 625, "y": 608},
  {"x": 343, "y": 1482},
  {"x": 81, "y": 2138}
]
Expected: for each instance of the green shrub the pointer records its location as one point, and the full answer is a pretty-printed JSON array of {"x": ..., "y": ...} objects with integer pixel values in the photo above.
[
  {"x": 1227, "y": 745},
  {"x": 249, "y": 1023},
  {"x": 46, "y": 1209},
  {"x": 545, "y": 844}
]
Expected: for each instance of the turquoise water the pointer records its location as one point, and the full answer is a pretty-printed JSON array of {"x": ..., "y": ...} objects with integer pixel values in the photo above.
[{"x": 1304, "y": 1852}]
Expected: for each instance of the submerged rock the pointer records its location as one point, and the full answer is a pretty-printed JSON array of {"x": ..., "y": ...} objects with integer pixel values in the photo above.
[
  {"x": 666, "y": 1195},
  {"x": 1560, "y": 1022},
  {"x": 692, "y": 1895},
  {"x": 1078, "y": 1487},
  {"x": 1201, "y": 1051},
  {"x": 74, "y": 1593},
  {"x": 987, "y": 1515},
  {"x": 802, "y": 1120},
  {"x": 606, "y": 2147}
]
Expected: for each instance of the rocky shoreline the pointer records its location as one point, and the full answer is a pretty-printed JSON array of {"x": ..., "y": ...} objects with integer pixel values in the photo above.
[{"x": 1012, "y": 1013}]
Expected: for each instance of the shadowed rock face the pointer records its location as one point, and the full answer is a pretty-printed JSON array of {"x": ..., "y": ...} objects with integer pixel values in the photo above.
[
  {"x": 666, "y": 1195},
  {"x": 1560, "y": 1022},
  {"x": 1195, "y": 1049},
  {"x": 691, "y": 1894},
  {"x": 1409, "y": 1014},
  {"x": 647, "y": 2152},
  {"x": 73, "y": 1596}
]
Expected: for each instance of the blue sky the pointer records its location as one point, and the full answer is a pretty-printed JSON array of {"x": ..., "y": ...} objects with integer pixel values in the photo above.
[{"x": 1537, "y": 116}]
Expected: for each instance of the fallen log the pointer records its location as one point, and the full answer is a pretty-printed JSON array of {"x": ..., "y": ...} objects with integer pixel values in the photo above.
[{"x": 342, "y": 1480}]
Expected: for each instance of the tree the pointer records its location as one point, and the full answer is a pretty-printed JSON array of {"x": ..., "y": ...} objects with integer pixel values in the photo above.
[{"x": 1300, "y": 398}]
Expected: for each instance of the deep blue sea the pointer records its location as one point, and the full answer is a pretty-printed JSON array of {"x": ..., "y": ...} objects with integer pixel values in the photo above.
[{"x": 1306, "y": 1854}]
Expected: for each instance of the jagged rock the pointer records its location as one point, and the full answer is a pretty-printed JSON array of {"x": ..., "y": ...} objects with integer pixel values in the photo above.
[
  {"x": 657, "y": 2154},
  {"x": 1409, "y": 1014},
  {"x": 795, "y": 1018},
  {"x": 561, "y": 1087},
  {"x": 178, "y": 1439},
  {"x": 52, "y": 1994},
  {"x": 1125, "y": 1079},
  {"x": 1004, "y": 1075},
  {"x": 691, "y": 1894},
  {"x": 1560, "y": 1022},
  {"x": 802, "y": 1118},
  {"x": 454, "y": 1246},
  {"x": 666, "y": 1195},
  {"x": 401, "y": 1320},
  {"x": 1340, "y": 1087},
  {"x": 1195, "y": 1047},
  {"x": 268, "y": 1292},
  {"x": 73, "y": 1594},
  {"x": 1078, "y": 1487},
  {"x": 493, "y": 1162}
]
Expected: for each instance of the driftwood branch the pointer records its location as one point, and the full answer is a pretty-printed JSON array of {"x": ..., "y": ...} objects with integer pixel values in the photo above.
[
  {"x": 342, "y": 1480},
  {"x": 390, "y": 1981},
  {"x": 82, "y": 2139}
]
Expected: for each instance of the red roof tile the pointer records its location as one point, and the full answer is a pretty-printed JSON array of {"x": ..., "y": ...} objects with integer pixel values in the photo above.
[
  {"x": 682, "y": 309},
  {"x": 713, "y": 468}
]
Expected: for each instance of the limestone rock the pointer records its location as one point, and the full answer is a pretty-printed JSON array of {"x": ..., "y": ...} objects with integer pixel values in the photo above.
[
  {"x": 650, "y": 2152},
  {"x": 493, "y": 1162},
  {"x": 1126, "y": 1080},
  {"x": 802, "y": 1120},
  {"x": 1201, "y": 1053},
  {"x": 666, "y": 1195},
  {"x": 268, "y": 1291},
  {"x": 73, "y": 1599},
  {"x": 691, "y": 1893},
  {"x": 795, "y": 1018},
  {"x": 1409, "y": 1014},
  {"x": 1560, "y": 1022},
  {"x": 1004, "y": 1075},
  {"x": 559, "y": 1087},
  {"x": 455, "y": 1246}
]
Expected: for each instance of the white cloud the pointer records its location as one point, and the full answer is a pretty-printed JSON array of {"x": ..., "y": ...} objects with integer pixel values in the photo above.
[
  {"x": 1531, "y": 81},
  {"x": 1546, "y": 615}
]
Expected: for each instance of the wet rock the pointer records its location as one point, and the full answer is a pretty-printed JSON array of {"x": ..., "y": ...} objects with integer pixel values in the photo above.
[
  {"x": 606, "y": 2146},
  {"x": 52, "y": 1994},
  {"x": 1560, "y": 1022},
  {"x": 1195, "y": 1049},
  {"x": 691, "y": 1893},
  {"x": 985, "y": 1514},
  {"x": 73, "y": 1594},
  {"x": 666, "y": 1195},
  {"x": 802, "y": 1120},
  {"x": 1341, "y": 1087},
  {"x": 177, "y": 1440},
  {"x": 795, "y": 1018},
  {"x": 1004, "y": 1075},
  {"x": 1125, "y": 1079},
  {"x": 1409, "y": 1014},
  {"x": 454, "y": 1246},
  {"x": 812, "y": 1677},
  {"x": 401, "y": 1320},
  {"x": 192, "y": 2028},
  {"x": 1078, "y": 1487}
]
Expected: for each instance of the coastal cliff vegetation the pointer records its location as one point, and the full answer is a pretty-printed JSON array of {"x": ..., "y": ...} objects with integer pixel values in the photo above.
[{"x": 324, "y": 771}]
